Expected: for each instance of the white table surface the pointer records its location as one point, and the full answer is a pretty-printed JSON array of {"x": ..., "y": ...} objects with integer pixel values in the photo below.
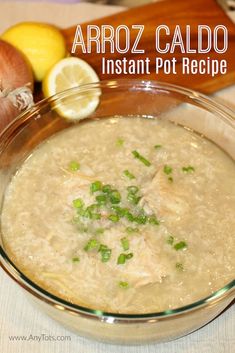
[{"x": 18, "y": 317}]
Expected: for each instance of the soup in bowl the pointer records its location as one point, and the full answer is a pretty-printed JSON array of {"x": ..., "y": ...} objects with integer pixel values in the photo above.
[{"x": 121, "y": 225}]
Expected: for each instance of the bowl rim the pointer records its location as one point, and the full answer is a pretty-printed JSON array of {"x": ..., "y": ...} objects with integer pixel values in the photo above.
[{"x": 40, "y": 293}]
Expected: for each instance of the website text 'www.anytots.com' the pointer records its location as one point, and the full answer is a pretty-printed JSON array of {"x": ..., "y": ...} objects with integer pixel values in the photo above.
[{"x": 39, "y": 338}]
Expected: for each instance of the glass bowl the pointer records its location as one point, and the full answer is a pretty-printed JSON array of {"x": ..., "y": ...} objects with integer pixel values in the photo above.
[{"x": 119, "y": 98}]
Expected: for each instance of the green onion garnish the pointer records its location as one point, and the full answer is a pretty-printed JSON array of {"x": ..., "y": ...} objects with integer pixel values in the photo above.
[
  {"x": 92, "y": 244},
  {"x": 121, "y": 212},
  {"x": 170, "y": 179},
  {"x": 78, "y": 203},
  {"x": 132, "y": 230},
  {"x": 93, "y": 208},
  {"x": 170, "y": 240},
  {"x": 130, "y": 216},
  {"x": 95, "y": 216},
  {"x": 107, "y": 188},
  {"x": 132, "y": 189},
  {"x": 142, "y": 159},
  {"x": 179, "y": 266},
  {"x": 153, "y": 220},
  {"x": 128, "y": 174},
  {"x": 105, "y": 253},
  {"x": 124, "y": 285},
  {"x": 167, "y": 169},
  {"x": 188, "y": 169},
  {"x": 131, "y": 196},
  {"x": 157, "y": 146},
  {"x": 113, "y": 217},
  {"x": 96, "y": 186},
  {"x": 141, "y": 219},
  {"x": 74, "y": 166},
  {"x": 181, "y": 245},
  {"x": 114, "y": 196},
  {"x": 123, "y": 257},
  {"x": 120, "y": 142},
  {"x": 125, "y": 244},
  {"x": 76, "y": 259},
  {"x": 134, "y": 199},
  {"x": 101, "y": 199},
  {"x": 91, "y": 212}
]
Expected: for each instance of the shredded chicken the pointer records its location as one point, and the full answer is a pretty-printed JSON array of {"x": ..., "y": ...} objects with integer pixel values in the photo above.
[{"x": 161, "y": 197}]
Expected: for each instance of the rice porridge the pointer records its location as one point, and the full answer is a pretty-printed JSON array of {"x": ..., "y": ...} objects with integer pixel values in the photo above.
[{"x": 125, "y": 215}]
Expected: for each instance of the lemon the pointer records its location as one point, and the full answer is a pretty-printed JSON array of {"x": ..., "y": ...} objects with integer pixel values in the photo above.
[
  {"x": 68, "y": 73},
  {"x": 42, "y": 44}
]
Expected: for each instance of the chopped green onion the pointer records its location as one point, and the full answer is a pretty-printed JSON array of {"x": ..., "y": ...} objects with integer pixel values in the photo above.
[
  {"x": 121, "y": 259},
  {"x": 96, "y": 186},
  {"x": 142, "y": 159},
  {"x": 74, "y": 166},
  {"x": 95, "y": 216},
  {"x": 113, "y": 217},
  {"x": 125, "y": 244},
  {"x": 134, "y": 199},
  {"x": 93, "y": 207},
  {"x": 157, "y": 146},
  {"x": 167, "y": 169},
  {"x": 105, "y": 253},
  {"x": 170, "y": 179},
  {"x": 102, "y": 247},
  {"x": 120, "y": 141},
  {"x": 121, "y": 212},
  {"x": 76, "y": 259},
  {"x": 170, "y": 240},
  {"x": 141, "y": 219},
  {"x": 101, "y": 199},
  {"x": 107, "y": 188},
  {"x": 81, "y": 211},
  {"x": 188, "y": 169},
  {"x": 131, "y": 196},
  {"x": 181, "y": 245},
  {"x": 130, "y": 216},
  {"x": 128, "y": 174},
  {"x": 124, "y": 285},
  {"x": 179, "y": 266},
  {"x": 132, "y": 189},
  {"x": 132, "y": 230},
  {"x": 90, "y": 212},
  {"x": 78, "y": 203},
  {"x": 114, "y": 196},
  {"x": 153, "y": 220},
  {"x": 87, "y": 213},
  {"x": 92, "y": 244}
]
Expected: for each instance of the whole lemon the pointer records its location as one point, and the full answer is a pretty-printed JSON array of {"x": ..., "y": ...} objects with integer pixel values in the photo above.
[{"x": 42, "y": 44}]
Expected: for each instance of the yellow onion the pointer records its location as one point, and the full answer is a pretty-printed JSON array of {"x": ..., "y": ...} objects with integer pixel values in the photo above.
[{"x": 16, "y": 83}]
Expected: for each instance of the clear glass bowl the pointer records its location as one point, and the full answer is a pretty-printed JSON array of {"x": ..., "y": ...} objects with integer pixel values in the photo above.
[{"x": 120, "y": 98}]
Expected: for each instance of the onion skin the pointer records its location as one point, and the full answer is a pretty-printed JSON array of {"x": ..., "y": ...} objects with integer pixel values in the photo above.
[
  {"x": 7, "y": 113},
  {"x": 15, "y": 72}
]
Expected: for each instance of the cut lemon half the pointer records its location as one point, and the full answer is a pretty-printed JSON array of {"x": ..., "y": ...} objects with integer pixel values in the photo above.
[{"x": 68, "y": 73}]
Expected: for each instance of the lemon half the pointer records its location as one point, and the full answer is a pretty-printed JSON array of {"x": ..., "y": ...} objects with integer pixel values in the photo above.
[{"x": 68, "y": 73}]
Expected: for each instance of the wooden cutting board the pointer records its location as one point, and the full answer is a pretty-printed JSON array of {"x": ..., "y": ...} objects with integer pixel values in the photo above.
[{"x": 170, "y": 13}]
